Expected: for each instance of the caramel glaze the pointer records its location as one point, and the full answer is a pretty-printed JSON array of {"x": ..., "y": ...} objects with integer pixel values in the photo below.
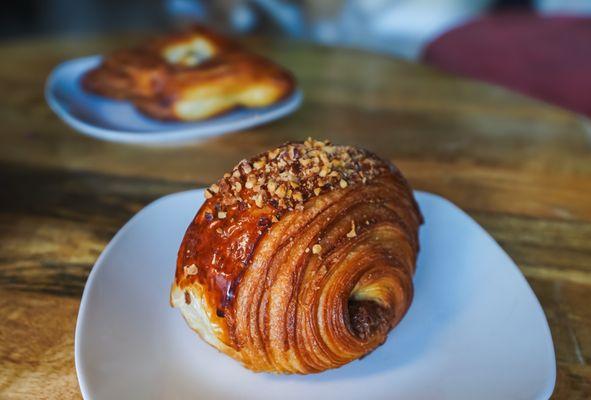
[{"x": 221, "y": 248}]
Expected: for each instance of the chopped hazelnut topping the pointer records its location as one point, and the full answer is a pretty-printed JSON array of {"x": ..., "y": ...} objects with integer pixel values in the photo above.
[
  {"x": 316, "y": 249},
  {"x": 286, "y": 177}
]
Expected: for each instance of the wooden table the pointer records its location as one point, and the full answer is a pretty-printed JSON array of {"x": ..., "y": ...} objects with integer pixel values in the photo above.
[{"x": 522, "y": 169}]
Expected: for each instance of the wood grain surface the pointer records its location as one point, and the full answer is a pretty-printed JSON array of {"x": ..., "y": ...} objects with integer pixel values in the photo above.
[{"x": 521, "y": 168}]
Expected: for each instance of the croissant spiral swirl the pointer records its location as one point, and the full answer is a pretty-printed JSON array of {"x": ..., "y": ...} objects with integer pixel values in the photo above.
[{"x": 301, "y": 259}]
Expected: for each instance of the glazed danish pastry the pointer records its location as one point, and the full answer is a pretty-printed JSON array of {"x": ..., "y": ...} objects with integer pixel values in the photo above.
[
  {"x": 301, "y": 259},
  {"x": 218, "y": 85},
  {"x": 189, "y": 76}
]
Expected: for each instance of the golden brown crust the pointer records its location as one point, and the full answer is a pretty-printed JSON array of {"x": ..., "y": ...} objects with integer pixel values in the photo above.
[
  {"x": 307, "y": 285},
  {"x": 128, "y": 74},
  {"x": 189, "y": 76},
  {"x": 218, "y": 85}
]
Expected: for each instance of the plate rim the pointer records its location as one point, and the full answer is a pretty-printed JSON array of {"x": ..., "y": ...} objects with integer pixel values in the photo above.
[
  {"x": 290, "y": 104},
  {"x": 544, "y": 393}
]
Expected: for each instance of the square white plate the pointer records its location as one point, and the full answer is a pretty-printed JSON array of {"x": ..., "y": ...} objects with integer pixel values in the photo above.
[
  {"x": 119, "y": 121},
  {"x": 475, "y": 329}
]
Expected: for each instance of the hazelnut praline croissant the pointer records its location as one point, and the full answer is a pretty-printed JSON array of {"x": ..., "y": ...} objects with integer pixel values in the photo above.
[{"x": 301, "y": 259}]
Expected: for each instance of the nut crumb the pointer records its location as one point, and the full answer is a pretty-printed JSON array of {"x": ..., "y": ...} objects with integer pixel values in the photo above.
[
  {"x": 352, "y": 233},
  {"x": 280, "y": 192},
  {"x": 259, "y": 201},
  {"x": 246, "y": 168},
  {"x": 316, "y": 249},
  {"x": 221, "y": 214},
  {"x": 191, "y": 269},
  {"x": 271, "y": 187}
]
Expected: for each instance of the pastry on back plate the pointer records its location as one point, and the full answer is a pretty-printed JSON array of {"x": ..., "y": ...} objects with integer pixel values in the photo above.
[{"x": 190, "y": 76}]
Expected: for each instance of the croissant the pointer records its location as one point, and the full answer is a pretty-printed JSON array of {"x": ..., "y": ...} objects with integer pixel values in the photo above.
[{"x": 301, "y": 259}]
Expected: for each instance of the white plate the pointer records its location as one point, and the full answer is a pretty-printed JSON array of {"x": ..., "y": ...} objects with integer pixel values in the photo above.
[
  {"x": 475, "y": 329},
  {"x": 119, "y": 121}
]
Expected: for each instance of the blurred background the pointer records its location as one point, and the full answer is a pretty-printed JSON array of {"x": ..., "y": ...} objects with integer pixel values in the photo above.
[{"x": 538, "y": 47}]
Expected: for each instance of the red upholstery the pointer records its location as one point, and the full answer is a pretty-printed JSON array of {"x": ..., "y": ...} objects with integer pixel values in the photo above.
[{"x": 544, "y": 57}]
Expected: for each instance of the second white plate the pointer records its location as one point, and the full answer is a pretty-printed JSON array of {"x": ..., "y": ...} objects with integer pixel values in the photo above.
[
  {"x": 119, "y": 121},
  {"x": 475, "y": 330}
]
